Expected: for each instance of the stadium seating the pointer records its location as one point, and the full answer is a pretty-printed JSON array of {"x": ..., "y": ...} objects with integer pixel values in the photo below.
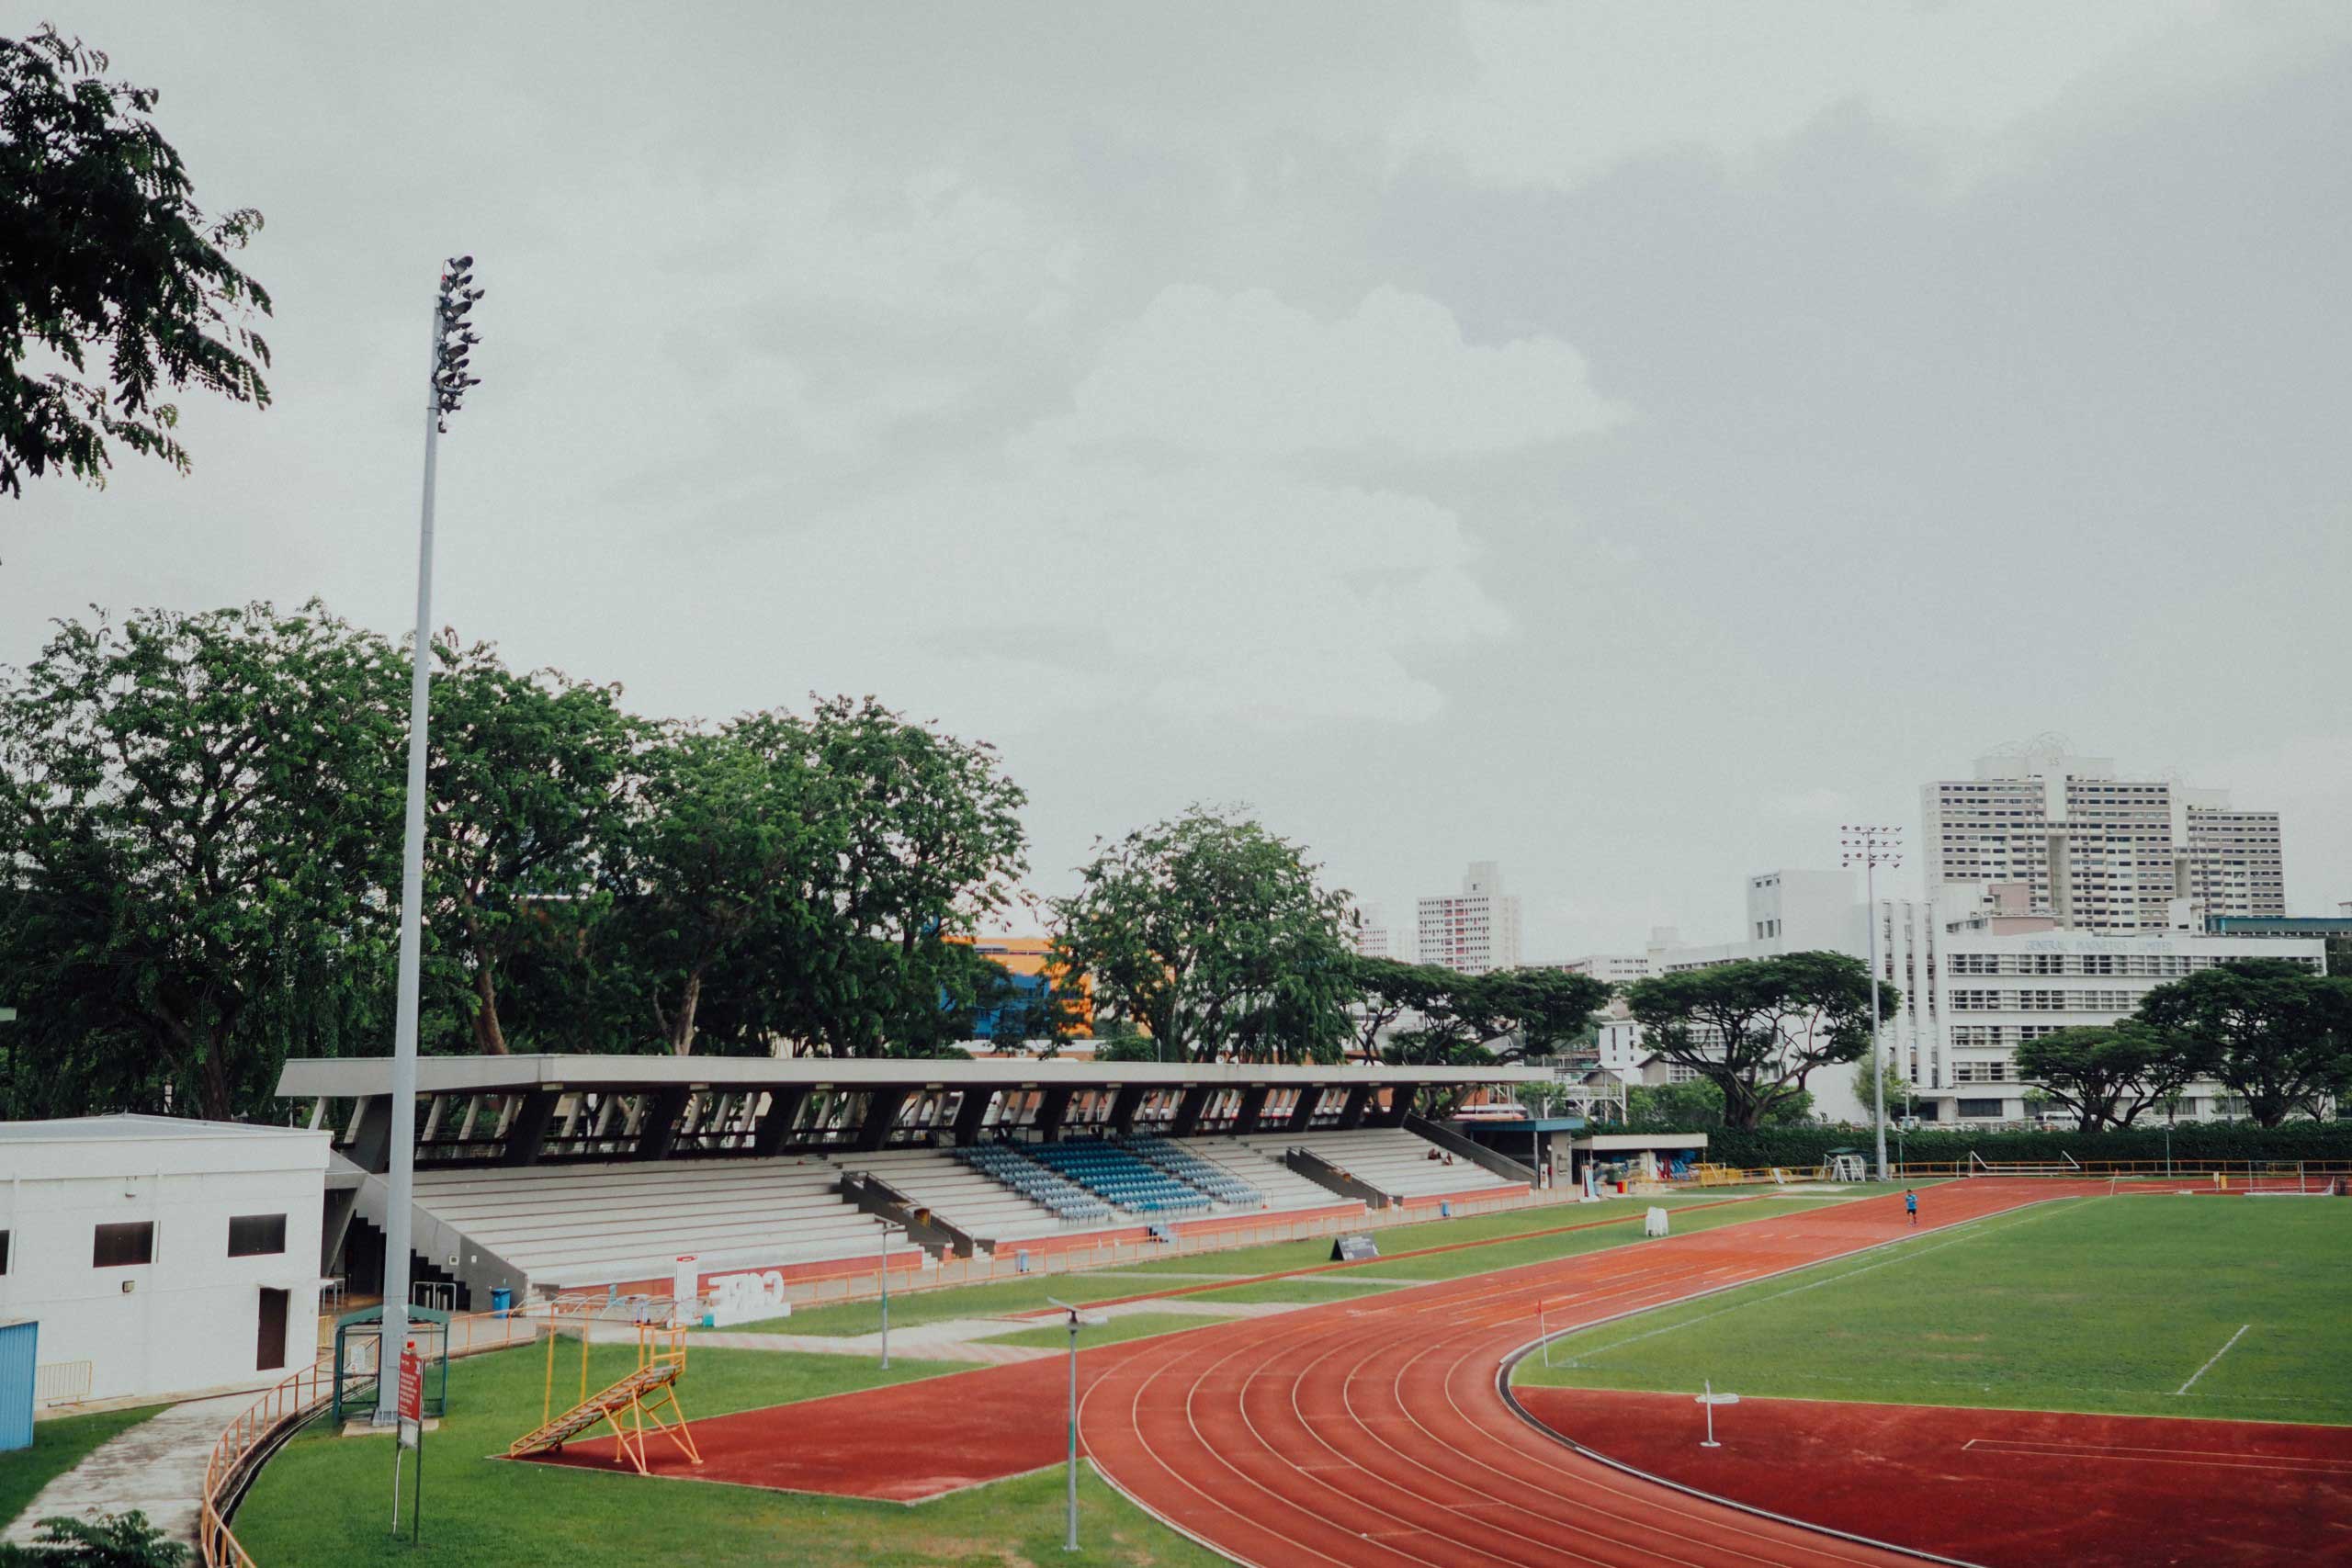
[
  {"x": 1194, "y": 1172},
  {"x": 1036, "y": 1182},
  {"x": 579, "y": 1225},
  {"x": 1119, "y": 1177},
  {"x": 1390, "y": 1160},
  {"x": 972, "y": 1200}
]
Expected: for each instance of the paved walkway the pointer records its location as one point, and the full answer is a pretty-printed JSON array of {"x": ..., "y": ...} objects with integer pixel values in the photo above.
[{"x": 157, "y": 1467}]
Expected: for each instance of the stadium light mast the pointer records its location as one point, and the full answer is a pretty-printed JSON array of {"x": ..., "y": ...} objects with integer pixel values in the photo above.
[
  {"x": 1871, "y": 847},
  {"x": 1077, "y": 1319},
  {"x": 446, "y": 387}
]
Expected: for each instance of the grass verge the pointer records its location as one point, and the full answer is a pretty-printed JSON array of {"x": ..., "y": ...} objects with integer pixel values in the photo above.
[
  {"x": 2107, "y": 1306},
  {"x": 58, "y": 1446},
  {"x": 326, "y": 1498}
]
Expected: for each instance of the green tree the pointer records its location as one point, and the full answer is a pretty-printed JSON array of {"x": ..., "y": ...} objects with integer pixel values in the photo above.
[
  {"x": 717, "y": 878},
  {"x": 529, "y": 778},
  {"x": 103, "y": 251},
  {"x": 1387, "y": 990},
  {"x": 113, "y": 1540},
  {"x": 2107, "y": 1074},
  {"x": 925, "y": 840},
  {"x": 194, "y": 811},
  {"x": 1755, "y": 1029},
  {"x": 1212, "y": 936},
  {"x": 2271, "y": 1029},
  {"x": 1890, "y": 1079}
]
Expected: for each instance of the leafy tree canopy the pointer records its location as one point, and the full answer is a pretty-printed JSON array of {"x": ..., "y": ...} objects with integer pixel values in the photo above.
[
  {"x": 1212, "y": 935},
  {"x": 2107, "y": 1074},
  {"x": 2272, "y": 1030},
  {"x": 1755, "y": 1029},
  {"x": 103, "y": 255}
]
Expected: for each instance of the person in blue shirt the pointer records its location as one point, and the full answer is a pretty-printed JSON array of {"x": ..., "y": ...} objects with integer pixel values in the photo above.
[{"x": 1911, "y": 1204}]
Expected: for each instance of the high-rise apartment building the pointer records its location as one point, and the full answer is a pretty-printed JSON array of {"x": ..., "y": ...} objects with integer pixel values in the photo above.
[
  {"x": 1373, "y": 936},
  {"x": 1473, "y": 930},
  {"x": 2095, "y": 852}
]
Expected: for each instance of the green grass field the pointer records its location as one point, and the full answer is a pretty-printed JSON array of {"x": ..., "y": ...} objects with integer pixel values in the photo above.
[
  {"x": 2107, "y": 1306},
  {"x": 59, "y": 1445},
  {"x": 327, "y": 1499},
  {"x": 1503, "y": 1240}
]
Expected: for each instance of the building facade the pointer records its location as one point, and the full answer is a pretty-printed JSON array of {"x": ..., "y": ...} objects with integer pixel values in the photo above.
[
  {"x": 2098, "y": 852},
  {"x": 1473, "y": 930},
  {"x": 160, "y": 1255}
]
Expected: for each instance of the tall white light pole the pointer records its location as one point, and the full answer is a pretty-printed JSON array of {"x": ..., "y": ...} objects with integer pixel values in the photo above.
[
  {"x": 452, "y": 342},
  {"x": 1871, "y": 847}
]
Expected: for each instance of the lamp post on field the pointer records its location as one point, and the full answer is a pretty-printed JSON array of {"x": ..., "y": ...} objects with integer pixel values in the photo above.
[
  {"x": 453, "y": 344},
  {"x": 1871, "y": 847},
  {"x": 888, "y": 1226},
  {"x": 1069, "y": 1534}
]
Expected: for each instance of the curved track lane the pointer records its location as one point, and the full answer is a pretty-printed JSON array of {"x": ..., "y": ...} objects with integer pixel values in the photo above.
[{"x": 1376, "y": 1433}]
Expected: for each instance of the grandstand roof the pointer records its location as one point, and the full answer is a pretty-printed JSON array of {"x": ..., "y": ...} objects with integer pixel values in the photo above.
[{"x": 352, "y": 1076}]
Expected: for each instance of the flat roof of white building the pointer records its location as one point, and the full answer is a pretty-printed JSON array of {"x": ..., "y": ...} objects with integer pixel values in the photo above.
[{"x": 130, "y": 1125}]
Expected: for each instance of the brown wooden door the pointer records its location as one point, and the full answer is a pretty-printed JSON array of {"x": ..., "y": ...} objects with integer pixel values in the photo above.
[{"x": 269, "y": 1352}]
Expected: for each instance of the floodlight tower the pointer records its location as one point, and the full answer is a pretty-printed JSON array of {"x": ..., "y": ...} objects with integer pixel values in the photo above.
[
  {"x": 1871, "y": 847},
  {"x": 446, "y": 387}
]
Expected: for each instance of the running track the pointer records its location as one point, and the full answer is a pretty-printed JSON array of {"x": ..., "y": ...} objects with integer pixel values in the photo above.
[{"x": 1376, "y": 1433}]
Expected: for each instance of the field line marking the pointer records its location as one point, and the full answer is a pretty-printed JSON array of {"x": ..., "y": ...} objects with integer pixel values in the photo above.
[
  {"x": 1968, "y": 1230},
  {"x": 2209, "y": 1365}
]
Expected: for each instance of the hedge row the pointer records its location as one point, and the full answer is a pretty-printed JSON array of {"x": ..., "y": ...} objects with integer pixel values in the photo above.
[{"x": 2223, "y": 1141}]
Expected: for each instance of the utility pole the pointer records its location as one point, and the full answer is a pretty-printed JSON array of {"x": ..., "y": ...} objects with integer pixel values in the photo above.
[
  {"x": 1871, "y": 847},
  {"x": 453, "y": 342}
]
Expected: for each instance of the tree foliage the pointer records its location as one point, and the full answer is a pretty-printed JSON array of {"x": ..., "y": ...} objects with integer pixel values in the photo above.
[
  {"x": 2107, "y": 1074},
  {"x": 2272, "y": 1030},
  {"x": 1697, "y": 1105},
  {"x": 1755, "y": 1029},
  {"x": 192, "y": 809},
  {"x": 103, "y": 255},
  {"x": 113, "y": 1540},
  {"x": 1212, "y": 936}
]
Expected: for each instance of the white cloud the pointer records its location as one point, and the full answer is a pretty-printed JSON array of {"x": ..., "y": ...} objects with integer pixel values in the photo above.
[
  {"x": 1246, "y": 374},
  {"x": 1567, "y": 91}
]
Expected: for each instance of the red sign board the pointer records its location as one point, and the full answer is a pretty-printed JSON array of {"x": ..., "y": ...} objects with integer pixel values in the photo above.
[{"x": 412, "y": 1384}]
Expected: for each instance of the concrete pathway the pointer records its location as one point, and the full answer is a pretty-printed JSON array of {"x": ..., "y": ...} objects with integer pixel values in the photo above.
[{"x": 157, "y": 1467}]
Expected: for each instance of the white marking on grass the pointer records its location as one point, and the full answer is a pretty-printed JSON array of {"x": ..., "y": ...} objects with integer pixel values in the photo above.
[
  {"x": 2209, "y": 1365},
  {"x": 1968, "y": 1230}
]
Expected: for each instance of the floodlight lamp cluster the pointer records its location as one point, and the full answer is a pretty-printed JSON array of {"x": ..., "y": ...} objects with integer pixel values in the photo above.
[
  {"x": 1870, "y": 844},
  {"x": 454, "y": 337}
]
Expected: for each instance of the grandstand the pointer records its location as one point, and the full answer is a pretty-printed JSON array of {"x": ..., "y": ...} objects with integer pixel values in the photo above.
[{"x": 541, "y": 1174}]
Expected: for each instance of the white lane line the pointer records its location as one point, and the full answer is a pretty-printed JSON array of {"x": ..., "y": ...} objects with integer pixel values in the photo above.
[{"x": 2209, "y": 1365}]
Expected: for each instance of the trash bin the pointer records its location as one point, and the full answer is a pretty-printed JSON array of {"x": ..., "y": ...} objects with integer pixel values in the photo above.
[{"x": 502, "y": 1299}]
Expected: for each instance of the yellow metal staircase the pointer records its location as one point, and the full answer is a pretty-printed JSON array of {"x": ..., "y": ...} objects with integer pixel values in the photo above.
[{"x": 642, "y": 1403}]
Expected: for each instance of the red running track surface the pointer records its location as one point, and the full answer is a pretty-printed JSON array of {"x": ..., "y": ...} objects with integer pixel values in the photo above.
[
  {"x": 1374, "y": 1432},
  {"x": 2005, "y": 1488}
]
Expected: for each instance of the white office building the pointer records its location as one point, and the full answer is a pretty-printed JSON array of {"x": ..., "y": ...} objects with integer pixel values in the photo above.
[
  {"x": 1373, "y": 936},
  {"x": 159, "y": 1255},
  {"x": 1980, "y": 971},
  {"x": 2098, "y": 852},
  {"x": 1473, "y": 930},
  {"x": 1614, "y": 968}
]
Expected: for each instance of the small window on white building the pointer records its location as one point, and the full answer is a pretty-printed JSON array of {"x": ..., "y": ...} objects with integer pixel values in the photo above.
[
  {"x": 121, "y": 1246},
  {"x": 4, "y": 1252},
  {"x": 256, "y": 1235}
]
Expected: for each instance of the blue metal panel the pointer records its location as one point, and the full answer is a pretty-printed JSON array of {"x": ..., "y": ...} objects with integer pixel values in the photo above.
[{"x": 19, "y": 1347}]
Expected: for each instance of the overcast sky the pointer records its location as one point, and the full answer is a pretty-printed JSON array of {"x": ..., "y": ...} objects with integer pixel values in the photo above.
[{"x": 1619, "y": 441}]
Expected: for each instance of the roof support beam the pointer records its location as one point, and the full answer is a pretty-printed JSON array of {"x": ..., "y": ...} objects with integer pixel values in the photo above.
[
  {"x": 527, "y": 1134},
  {"x": 1400, "y": 1105},
  {"x": 371, "y": 1134},
  {"x": 1302, "y": 1115},
  {"x": 1053, "y": 1107},
  {"x": 657, "y": 1134},
  {"x": 882, "y": 1108},
  {"x": 1358, "y": 1101},
  {"x": 1189, "y": 1109},
  {"x": 1253, "y": 1104},
  {"x": 1124, "y": 1107},
  {"x": 775, "y": 1122},
  {"x": 972, "y": 1115}
]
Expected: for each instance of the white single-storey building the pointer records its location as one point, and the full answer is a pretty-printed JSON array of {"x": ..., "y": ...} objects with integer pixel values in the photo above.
[{"x": 160, "y": 1255}]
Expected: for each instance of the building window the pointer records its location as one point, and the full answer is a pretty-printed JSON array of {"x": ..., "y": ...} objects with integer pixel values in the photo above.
[
  {"x": 256, "y": 1235},
  {"x": 120, "y": 1247},
  {"x": 1979, "y": 1108},
  {"x": 4, "y": 1252}
]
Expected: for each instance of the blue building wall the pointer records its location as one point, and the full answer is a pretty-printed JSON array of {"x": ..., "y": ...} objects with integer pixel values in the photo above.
[{"x": 19, "y": 1353}]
